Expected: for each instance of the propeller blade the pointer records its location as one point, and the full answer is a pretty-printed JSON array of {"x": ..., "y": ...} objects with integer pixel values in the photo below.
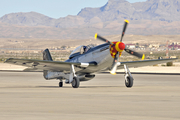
[
  {"x": 142, "y": 56},
  {"x": 124, "y": 29},
  {"x": 103, "y": 39},
  {"x": 115, "y": 64}
]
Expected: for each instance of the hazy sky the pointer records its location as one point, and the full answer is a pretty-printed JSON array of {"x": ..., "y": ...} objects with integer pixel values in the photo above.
[{"x": 51, "y": 8}]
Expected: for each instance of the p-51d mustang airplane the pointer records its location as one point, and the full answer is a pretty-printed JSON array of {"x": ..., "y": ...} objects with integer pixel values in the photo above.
[{"x": 86, "y": 60}]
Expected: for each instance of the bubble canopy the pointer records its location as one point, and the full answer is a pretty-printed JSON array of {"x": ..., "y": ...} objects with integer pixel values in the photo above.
[{"x": 80, "y": 50}]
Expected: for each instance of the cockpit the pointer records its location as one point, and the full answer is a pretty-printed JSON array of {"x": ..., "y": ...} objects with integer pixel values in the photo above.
[{"x": 81, "y": 50}]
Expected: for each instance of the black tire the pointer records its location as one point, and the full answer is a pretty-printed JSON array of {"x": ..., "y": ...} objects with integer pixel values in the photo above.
[
  {"x": 60, "y": 84},
  {"x": 75, "y": 83},
  {"x": 129, "y": 82}
]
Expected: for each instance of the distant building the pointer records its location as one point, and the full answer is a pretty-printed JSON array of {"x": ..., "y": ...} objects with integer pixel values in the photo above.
[
  {"x": 173, "y": 57},
  {"x": 174, "y": 46},
  {"x": 154, "y": 46}
]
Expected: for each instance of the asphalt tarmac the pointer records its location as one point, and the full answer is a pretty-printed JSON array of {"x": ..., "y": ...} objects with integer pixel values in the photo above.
[{"x": 27, "y": 96}]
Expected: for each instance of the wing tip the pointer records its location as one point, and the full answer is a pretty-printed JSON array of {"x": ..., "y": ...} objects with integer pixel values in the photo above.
[{"x": 8, "y": 60}]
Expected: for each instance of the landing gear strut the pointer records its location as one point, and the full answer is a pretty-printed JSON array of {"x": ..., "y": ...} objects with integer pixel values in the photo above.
[
  {"x": 128, "y": 77},
  {"x": 71, "y": 78}
]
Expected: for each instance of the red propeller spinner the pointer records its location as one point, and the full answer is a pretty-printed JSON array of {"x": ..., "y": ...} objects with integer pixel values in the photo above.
[{"x": 116, "y": 47}]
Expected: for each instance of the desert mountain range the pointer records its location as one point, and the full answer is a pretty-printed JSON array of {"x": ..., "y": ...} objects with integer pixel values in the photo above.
[{"x": 153, "y": 17}]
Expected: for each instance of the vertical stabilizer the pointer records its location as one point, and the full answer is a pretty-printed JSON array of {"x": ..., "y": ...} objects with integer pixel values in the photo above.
[{"x": 47, "y": 55}]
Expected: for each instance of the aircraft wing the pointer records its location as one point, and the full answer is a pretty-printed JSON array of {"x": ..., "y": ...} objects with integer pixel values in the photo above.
[
  {"x": 142, "y": 63},
  {"x": 40, "y": 65}
]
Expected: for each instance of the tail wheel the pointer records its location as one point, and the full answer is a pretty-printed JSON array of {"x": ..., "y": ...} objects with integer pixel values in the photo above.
[
  {"x": 75, "y": 83},
  {"x": 129, "y": 82},
  {"x": 60, "y": 84}
]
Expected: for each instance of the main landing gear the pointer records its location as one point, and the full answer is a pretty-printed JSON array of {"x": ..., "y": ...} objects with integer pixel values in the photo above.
[
  {"x": 71, "y": 78},
  {"x": 128, "y": 77},
  {"x": 75, "y": 83}
]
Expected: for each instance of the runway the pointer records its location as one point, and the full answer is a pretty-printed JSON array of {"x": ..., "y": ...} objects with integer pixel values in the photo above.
[{"x": 27, "y": 96}]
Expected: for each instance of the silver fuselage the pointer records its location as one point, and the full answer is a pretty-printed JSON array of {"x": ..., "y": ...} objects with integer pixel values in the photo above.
[{"x": 99, "y": 54}]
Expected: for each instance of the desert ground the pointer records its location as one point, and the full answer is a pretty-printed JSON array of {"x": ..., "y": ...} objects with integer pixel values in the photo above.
[{"x": 36, "y": 43}]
